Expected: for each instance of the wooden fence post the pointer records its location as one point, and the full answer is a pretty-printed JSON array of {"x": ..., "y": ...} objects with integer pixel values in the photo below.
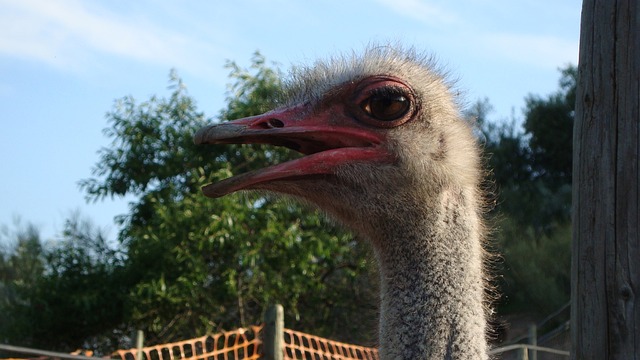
[
  {"x": 605, "y": 284},
  {"x": 533, "y": 340},
  {"x": 139, "y": 345},
  {"x": 273, "y": 333}
]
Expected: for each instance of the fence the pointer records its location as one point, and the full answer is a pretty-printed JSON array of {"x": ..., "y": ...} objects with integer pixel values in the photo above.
[
  {"x": 243, "y": 343},
  {"x": 298, "y": 345},
  {"x": 523, "y": 351},
  {"x": 272, "y": 341},
  {"x": 268, "y": 341},
  {"x": 554, "y": 344}
]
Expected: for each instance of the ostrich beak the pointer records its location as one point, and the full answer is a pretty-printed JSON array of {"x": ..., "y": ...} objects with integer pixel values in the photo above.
[{"x": 327, "y": 140}]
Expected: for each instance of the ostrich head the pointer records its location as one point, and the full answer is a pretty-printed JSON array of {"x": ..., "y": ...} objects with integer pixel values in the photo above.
[
  {"x": 378, "y": 131},
  {"x": 386, "y": 154}
]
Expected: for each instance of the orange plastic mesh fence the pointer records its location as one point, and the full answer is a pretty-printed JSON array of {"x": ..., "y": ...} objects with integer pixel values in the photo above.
[
  {"x": 299, "y": 345},
  {"x": 243, "y": 343},
  {"x": 246, "y": 343}
]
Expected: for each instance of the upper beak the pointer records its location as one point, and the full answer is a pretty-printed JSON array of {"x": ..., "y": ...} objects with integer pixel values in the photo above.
[
  {"x": 293, "y": 128},
  {"x": 328, "y": 140}
]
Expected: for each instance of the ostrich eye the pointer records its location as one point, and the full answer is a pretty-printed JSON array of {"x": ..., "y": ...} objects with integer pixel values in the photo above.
[{"x": 387, "y": 106}]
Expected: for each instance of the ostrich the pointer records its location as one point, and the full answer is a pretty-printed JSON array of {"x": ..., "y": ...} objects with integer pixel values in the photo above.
[{"x": 388, "y": 156}]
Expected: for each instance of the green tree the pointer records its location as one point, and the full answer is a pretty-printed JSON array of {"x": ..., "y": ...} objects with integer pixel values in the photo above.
[
  {"x": 531, "y": 170},
  {"x": 66, "y": 294},
  {"x": 549, "y": 128},
  {"x": 549, "y": 122},
  {"x": 21, "y": 265},
  {"x": 79, "y": 298},
  {"x": 199, "y": 265},
  {"x": 187, "y": 265},
  {"x": 531, "y": 165}
]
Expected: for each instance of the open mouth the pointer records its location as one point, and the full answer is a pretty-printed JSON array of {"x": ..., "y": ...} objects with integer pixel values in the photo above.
[{"x": 325, "y": 144}]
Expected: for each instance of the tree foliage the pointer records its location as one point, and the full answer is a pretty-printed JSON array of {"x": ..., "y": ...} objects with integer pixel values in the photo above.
[
  {"x": 64, "y": 294},
  {"x": 531, "y": 167},
  {"x": 186, "y": 265},
  {"x": 200, "y": 265},
  {"x": 21, "y": 266}
]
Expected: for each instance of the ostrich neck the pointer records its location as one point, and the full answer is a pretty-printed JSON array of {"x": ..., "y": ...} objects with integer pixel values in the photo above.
[{"x": 432, "y": 286}]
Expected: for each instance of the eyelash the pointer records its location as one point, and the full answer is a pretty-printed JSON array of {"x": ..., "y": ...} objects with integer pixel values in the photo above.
[{"x": 387, "y": 91}]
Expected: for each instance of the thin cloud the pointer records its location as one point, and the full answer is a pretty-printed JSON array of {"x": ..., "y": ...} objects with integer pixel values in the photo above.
[
  {"x": 68, "y": 33},
  {"x": 542, "y": 51},
  {"x": 535, "y": 50},
  {"x": 421, "y": 11}
]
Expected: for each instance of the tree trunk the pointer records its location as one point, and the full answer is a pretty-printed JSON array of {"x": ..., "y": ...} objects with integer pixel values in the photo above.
[{"x": 605, "y": 312}]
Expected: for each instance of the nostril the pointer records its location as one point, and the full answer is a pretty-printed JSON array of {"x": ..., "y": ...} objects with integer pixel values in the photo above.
[
  {"x": 270, "y": 124},
  {"x": 275, "y": 123}
]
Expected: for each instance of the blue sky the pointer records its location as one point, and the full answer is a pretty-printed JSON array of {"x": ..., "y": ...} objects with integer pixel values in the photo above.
[{"x": 64, "y": 62}]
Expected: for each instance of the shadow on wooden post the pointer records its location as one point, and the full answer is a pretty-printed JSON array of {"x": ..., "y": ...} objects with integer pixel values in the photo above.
[{"x": 273, "y": 333}]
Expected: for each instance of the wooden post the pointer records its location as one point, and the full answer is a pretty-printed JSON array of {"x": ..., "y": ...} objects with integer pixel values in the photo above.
[
  {"x": 273, "y": 333},
  {"x": 605, "y": 290},
  {"x": 533, "y": 340},
  {"x": 524, "y": 354},
  {"x": 139, "y": 345}
]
